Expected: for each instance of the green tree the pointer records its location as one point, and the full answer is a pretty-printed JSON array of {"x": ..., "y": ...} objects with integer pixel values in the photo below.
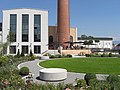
[
  {"x": 90, "y": 37},
  {"x": 97, "y": 41},
  {"x": 83, "y": 36},
  {"x": 89, "y": 42},
  {"x": 4, "y": 45}
]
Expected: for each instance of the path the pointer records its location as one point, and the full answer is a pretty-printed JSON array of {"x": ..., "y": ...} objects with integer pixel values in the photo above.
[{"x": 34, "y": 69}]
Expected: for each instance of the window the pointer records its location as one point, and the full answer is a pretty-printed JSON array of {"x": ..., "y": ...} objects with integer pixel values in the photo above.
[
  {"x": 50, "y": 39},
  {"x": 71, "y": 41},
  {"x": 13, "y": 26},
  {"x": 50, "y": 42},
  {"x": 71, "y": 38},
  {"x": 37, "y": 28},
  {"x": 12, "y": 49},
  {"x": 25, "y": 27},
  {"x": 37, "y": 49},
  {"x": 25, "y": 49}
]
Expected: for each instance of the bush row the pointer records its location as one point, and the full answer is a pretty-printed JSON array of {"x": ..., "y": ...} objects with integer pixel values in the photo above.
[
  {"x": 15, "y": 59},
  {"x": 90, "y": 82},
  {"x": 101, "y": 55},
  {"x": 59, "y": 56}
]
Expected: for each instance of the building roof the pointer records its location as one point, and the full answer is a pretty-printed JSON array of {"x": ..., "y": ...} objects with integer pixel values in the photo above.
[
  {"x": 26, "y": 8},
  {"x": 95, "y": 38}
]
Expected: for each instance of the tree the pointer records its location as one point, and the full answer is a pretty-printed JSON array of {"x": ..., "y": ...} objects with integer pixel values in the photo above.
[
  {"x": 90, "y": 42},
  {"x": 90, "y": 37},
  {"x": 83, "y": 36},
  {"x": 97, "y": 41},
  {"x": 3, "y": 46},
  {"x": 11, "y": 37}
]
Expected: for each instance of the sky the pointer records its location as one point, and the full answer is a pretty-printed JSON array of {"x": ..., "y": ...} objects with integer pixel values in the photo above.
[{"x": 99, "y": 18}]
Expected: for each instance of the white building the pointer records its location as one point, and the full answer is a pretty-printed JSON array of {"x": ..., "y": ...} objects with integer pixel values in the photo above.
[
  {"x": 30, "y": 30},
  {"x": 98, "y": 43}
]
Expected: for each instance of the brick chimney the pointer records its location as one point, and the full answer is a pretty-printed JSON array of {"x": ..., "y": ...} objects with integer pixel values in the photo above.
[{"x": 63, "y": 23}]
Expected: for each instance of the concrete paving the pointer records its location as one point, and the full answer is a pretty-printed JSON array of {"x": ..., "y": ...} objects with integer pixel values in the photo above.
[{"x": 34, "y": 69}]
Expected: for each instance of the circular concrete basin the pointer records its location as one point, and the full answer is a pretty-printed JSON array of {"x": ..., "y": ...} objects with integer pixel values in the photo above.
[{"x": 53, "y": 74}]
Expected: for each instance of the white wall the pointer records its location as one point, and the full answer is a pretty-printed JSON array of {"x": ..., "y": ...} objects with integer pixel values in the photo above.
[
  {"x": 31, "y": 43},
  {"x": 100, "y": 44}
]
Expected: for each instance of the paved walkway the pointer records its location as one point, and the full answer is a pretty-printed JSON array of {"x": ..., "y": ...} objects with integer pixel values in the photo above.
[{"x": 34, "y": 69}]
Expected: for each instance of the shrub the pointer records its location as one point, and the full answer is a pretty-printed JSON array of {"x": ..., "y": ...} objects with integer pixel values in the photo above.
[
  {"x": 80, "y": 83},
  {"x": 110, "y": 55},
  {"x": 58, "y": 56},
  {"x": 47, "y": 54},
  {"x": 68, "y": 87},
  {"x": 52, "y": 56},
  {"x": 103, "y": 55},
  {"x": 32, "y": 58},
  {"x": 24, "y": 71},
  {"x": 87, "y": 55},
  {"x": 3, "y": 60},
  {"x": 22, "y": 54},
  {"x": 95, "y": 84},
  {"x": 114, "y": 81},
  {"x": 88, "y": 77},
  {"x": 69, "y": 55}
]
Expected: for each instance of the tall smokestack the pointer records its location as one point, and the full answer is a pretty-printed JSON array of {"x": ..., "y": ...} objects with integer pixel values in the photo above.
[{"x": 63, "y": 28}]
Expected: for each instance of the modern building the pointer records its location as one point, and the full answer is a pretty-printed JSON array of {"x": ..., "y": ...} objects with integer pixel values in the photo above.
[
  {"x": 29, "y": 28},
  {"x": 98, "y": 43}
]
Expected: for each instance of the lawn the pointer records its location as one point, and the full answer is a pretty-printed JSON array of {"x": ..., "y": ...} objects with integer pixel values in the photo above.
[{"x": 86, "y": 65}]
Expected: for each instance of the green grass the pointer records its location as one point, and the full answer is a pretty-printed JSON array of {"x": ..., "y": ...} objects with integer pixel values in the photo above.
[{"x": 86, "y": 65}]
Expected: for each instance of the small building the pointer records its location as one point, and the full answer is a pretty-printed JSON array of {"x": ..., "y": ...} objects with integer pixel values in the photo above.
[
  {"x": 29, "y": 28},
  {"x": 98, "y": 44}
]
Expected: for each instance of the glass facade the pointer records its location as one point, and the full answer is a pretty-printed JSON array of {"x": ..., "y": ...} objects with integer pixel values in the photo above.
[
  {"x": 12, "y": 49},
  {"x": 13, "y": 26},
  {"x": 37, "y": 28},
  {"x": 25, "y": 49},
  {"x": 37, "y": 49},
  {"x": 25, "y": 28}
]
